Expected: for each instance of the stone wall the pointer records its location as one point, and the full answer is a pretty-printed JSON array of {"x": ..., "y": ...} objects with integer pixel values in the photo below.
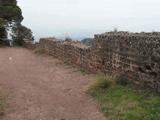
[
  {"x": 133, "y": 55},
  {"x": 136, "y": 56},
  {"x": 29, "y": 44},
  {"x": 72, "y": 52}
]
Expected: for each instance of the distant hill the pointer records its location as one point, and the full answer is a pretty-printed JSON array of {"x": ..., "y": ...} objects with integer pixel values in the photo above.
[{"x": 87, "y": 41}]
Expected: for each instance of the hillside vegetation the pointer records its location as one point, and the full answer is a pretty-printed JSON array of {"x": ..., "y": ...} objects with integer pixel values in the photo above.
[{"x": 119, "y": 102}]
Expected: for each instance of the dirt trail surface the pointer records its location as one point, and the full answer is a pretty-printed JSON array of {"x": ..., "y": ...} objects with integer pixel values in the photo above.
[{"x": 42, "y": 88}]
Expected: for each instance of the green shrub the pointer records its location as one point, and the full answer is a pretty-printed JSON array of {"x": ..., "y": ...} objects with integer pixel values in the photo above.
[
  {"x": 122, "y": 80},
  {"x": 102, "y": 82}
]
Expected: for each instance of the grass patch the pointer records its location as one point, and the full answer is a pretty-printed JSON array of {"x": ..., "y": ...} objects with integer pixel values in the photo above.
[
  {"x": 3, "y": 105},
  {"x": 39, "y": 51},
  {"x": 119, "y": 102},
  {"x": 84, "y": 71}
]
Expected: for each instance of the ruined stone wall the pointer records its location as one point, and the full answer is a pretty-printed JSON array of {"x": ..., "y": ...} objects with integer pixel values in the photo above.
[
  {"x": 136, "y": 56},
  {"x": 27, "y": 43},
  {"x": 72, "y": 52}
]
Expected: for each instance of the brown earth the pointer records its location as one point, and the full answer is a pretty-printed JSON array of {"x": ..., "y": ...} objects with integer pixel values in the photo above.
[{"x": 42, "y": 88}]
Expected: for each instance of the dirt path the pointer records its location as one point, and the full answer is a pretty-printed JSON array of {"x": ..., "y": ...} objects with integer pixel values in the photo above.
[{"x": 41, "y": 88}]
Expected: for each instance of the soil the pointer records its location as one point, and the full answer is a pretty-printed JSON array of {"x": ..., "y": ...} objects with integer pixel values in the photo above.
[{"x": 40, "y": 87}]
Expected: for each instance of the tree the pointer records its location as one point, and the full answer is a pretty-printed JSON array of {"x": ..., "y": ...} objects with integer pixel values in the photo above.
[
  {"x": 2, "y": 30},
  {"x": 8, "y": 2},
  {"x": 11, "y": 14},
  {"x": 20, "y": 33}
]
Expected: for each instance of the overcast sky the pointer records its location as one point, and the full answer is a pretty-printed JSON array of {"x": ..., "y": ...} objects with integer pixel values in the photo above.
[{"x": 84, "y": 18}]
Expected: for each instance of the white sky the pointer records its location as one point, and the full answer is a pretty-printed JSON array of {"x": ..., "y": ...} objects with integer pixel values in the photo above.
[{"x": 84, "y": 18}]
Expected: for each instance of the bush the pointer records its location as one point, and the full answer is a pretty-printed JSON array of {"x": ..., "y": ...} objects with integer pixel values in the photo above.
[
  {"x": 122, "y": 80},
  {"x": 102, "y": 82},
  {"x": 20, "y": 33}
]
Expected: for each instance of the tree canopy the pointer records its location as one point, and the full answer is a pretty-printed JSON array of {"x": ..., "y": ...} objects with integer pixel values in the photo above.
[{"x": 11, "y": 12}]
